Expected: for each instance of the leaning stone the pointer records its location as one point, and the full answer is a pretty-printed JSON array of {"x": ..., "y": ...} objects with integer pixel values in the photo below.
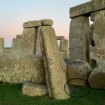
[
  {"x": 31, "y": 89},
  {"x": 47, "y": 22},
  {"x": 55, "y": 68},
  {"x": 97, "y": 77},
  {"x": 77, "y": 72},
  {"x": 32, "y": 24}
]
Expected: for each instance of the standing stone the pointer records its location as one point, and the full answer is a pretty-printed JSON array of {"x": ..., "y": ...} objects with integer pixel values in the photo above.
[
  {"x": 99, "y": 36},
  {"x": 79, "y": 31},
  {"x": 26, "y": 44},
  {"x": 97, "y": 78},
  {"x": 1, "y": 46},
  {"x": 64, "y": 48},
  {"x": 55, "y": 67},
  {"x": 38, "y": 46},
  {"x": 16, "y": 46},
  {"x": 29, "y": 40}
]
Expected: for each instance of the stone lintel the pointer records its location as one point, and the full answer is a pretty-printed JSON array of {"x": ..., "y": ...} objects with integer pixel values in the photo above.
[
  {"x": 81, "y": 9},
  {"x": 19, "y": 36},
  {"x": 87, "y": 8},
  {"x": 32, "y": 24},
  {"x": 60, "y": 37}
]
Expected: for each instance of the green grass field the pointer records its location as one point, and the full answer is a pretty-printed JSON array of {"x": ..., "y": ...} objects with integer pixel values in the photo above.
[{"x": 10, "y": 94}]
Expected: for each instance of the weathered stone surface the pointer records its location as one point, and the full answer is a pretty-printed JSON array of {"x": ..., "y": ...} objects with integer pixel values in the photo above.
[
  {"x": 19, "y": 36},
  {"x": 55, "y": 67},
  {"x": 26, "y": 44},
  {"x": 78, "y": 72},
  {"x": 79, "y": 31},
  {"x": 97, "y": 77},
  {"x": 99, "y": 36},
  {"x": 87, "y": 8},
  {"x": 1, "y": 46},
  {"x": 64, "y": 48},
  {"x": 82, "y": 9},
  {"x": 30, "y": 89},
  {"x": 27, "y": 68},
  {"x": 32, "y": 24},
  {"x": 47, "y": 22},
  {"x": 38, "y": 45},
  {"x": 98, "y": 5}
]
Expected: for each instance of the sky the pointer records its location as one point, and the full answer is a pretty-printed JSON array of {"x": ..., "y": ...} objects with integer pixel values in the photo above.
[{"x": 13, "y": 13}]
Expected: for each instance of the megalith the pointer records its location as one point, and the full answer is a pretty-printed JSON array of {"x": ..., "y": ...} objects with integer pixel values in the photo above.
[
  {"x": 79, "y": 31},
  {"x": 55, "y": 68},
  {"x": 1, "y": 46}
]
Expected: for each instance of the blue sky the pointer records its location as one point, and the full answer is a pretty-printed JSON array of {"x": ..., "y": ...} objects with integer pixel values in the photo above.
[{"x": 13, "y": 13}]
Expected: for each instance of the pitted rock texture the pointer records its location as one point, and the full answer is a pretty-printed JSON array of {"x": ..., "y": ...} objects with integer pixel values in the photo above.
[
  {"x": 31, "y": 89},
  {"x": 97, "y": 77},
  {"x": 21, "y": 69},
  {"x": 55, "y": 68},
  {"x": 79, "y": 31},
  {"x": 78, "y": 72}
]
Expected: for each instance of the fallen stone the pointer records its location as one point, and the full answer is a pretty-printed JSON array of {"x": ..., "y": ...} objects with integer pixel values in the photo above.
[
  {"x": 78, "y": 72},
  {"x": 27, "y": 68},
  {"x": 47, "y": 22},
  {"x": 31, "y": 89},
  {"x": 97, "y": 77},
  {"x": 32, "y": 24},
  {"x": 55, "y": 68}
]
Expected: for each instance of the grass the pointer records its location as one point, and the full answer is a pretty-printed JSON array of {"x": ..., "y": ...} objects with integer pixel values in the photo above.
[{"x": 10, "y": 94}]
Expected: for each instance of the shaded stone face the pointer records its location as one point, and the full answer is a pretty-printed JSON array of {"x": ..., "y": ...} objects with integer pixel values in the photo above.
[
  {"x": 25, "y": 44},
  {"x": 1, "y": 46},
  {"x": 47, "y": 22},
  {"x": 97, "y": 77},
  {"x": 55, "y": 68},
  {"x": 79, "y": 31},
  {"x": 64, "y": 48},
  {"x": 99, "y": 35}
]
